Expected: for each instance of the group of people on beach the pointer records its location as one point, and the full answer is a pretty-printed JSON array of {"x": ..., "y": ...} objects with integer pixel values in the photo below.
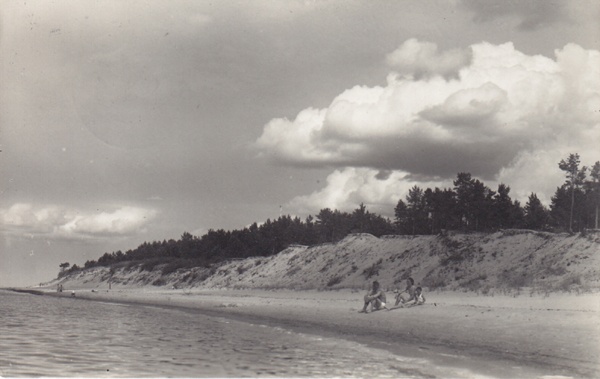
[{"x": 376, "y": 298}]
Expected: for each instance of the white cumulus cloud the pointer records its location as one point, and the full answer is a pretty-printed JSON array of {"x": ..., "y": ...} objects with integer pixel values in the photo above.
[
  {"x": 418, "y": 58},
  {"x": 503, "y": 116},
  {"x": 378, "y": 190},
  {"x": 54, "y": 221}
]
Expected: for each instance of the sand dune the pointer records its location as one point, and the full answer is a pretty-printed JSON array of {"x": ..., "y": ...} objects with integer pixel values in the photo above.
[{"x": 506, "y": 261}]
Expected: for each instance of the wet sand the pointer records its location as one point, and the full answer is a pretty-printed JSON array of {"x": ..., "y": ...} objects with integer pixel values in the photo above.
[{"x": 558, "y": 334}]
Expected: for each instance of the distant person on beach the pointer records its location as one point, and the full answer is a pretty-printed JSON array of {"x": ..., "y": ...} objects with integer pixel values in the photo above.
[
  {"x": 375, "y": 297},
  {"x": 408, "y": 294},
  {"x": 419, "y": 298}
]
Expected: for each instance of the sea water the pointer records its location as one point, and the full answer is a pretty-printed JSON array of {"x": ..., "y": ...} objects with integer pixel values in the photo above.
[{"x": 69, "y": 337}]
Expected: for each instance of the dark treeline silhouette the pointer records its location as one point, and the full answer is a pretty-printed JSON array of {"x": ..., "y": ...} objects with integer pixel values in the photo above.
[
  {"x": 469, "y": 206},
  {"x": 266, "y": 239}
]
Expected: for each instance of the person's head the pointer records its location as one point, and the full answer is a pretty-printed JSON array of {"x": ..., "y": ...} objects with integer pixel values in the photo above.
[
  {"x": 418, "y": 290},
  {"x": 376, "y": 285},
  {"x": 410, "y": 281}
]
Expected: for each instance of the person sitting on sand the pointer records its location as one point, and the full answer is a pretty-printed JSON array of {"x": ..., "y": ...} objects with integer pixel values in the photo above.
[
  {"x": 409, "y": 291},
  {"x": 375, "y": 297},
  {"x": 419, "y": 298}
]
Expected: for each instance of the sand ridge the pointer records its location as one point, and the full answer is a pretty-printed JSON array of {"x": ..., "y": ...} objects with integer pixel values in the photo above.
[{"x": 488, "y": 263}]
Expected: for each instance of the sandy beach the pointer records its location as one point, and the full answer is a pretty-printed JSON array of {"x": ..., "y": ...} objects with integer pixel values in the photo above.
[{"x": 557, "y": 334}]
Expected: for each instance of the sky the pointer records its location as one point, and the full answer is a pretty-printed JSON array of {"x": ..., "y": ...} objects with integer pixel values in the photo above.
[{"x": 124, "y": 122}]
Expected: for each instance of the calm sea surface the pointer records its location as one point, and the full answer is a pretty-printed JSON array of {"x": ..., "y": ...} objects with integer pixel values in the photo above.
[{"x": 50, "y": 336}]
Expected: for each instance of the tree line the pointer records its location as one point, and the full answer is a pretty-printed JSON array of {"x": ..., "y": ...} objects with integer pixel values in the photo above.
[
  {"x": 468, "y": 206},
  {"x": 472, "y": 206}
]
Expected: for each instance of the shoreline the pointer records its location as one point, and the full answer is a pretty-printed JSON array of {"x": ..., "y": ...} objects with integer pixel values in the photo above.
[{"x": 558, "y": 334}]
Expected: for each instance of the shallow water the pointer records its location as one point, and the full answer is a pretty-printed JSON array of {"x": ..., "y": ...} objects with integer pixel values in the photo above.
[{"x": 50, "y": 336}]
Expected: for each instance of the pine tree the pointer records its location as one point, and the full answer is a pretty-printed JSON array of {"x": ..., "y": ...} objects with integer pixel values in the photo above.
[
  {"x": 575, "y": 177},
  {"x": 463, "y": 187},
  {"x": 536, "y": 215},
  {"x": 503, "y": 207},
  {"x": 594, "y": 188},
  {"x": 401, "y": 214},
  {"x": 417, "y": 214}
]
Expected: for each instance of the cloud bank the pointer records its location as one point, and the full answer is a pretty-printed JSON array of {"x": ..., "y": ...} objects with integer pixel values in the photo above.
[
  {"x": 57, "y": 222},
  {"x": 490, "y": 110}
]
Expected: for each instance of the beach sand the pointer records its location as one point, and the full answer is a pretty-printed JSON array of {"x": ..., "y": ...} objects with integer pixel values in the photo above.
[{"x": 558, "y": 334}]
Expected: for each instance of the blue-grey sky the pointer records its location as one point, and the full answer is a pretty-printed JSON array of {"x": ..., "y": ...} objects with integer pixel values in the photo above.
[{"x": 123, "y": 122}]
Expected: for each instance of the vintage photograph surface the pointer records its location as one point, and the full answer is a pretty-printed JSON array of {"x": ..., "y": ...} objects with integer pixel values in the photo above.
[{"x": 300, "y": 188}]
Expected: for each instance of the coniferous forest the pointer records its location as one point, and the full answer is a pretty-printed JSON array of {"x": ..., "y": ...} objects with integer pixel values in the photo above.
[{"x": 470, "y": 206}]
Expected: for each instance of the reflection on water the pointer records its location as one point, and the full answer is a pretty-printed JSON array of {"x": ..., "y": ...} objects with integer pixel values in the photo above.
[{"x": 50, "y": 336}]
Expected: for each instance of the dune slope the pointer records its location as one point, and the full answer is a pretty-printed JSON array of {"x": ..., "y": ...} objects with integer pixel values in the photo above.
[{"x": 507, "y": 260}]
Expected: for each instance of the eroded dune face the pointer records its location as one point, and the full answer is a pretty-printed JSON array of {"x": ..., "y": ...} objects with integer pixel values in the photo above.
[{"x": 511, "y": 260}]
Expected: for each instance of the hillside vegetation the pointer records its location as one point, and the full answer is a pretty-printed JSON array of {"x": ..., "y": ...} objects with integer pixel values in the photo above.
[{"x": 508, "y": 260}]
